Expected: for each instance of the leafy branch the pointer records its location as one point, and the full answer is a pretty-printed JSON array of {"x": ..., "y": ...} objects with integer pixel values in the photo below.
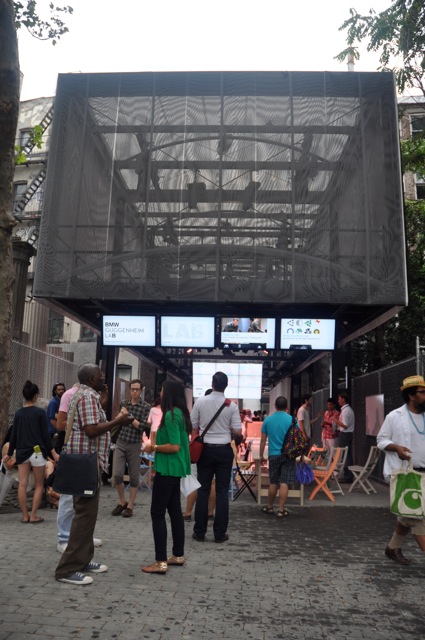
[
  {"x": 413, "y": 155},
  {"x": 26, "y": 14},
  {"x": 35, "y": 140},
  {"x": 398, "y": 33}
]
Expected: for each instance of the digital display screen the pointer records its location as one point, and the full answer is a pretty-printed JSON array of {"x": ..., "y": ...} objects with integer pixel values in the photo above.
[
  {"x": 296, "y": 333},
  {"x": 245, "y": 379},
  {"x": 248, "y": 332},
  {"x": 187, "y": 331},
  {"x": 129, "y": 331}
]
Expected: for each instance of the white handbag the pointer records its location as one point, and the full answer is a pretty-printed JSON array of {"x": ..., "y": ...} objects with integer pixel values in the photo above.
[{"x": 189, "y": 484}]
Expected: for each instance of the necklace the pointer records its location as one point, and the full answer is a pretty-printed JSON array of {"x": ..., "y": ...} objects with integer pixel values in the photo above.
[{"x": 421, "y": 433}]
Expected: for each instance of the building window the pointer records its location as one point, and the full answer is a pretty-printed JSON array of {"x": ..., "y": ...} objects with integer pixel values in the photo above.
[
  {"x": 19, "y": 189},
  {"x": 56, "y": 328},
  {"x": 417, "y": 123},
  {"x": 124, "y": 372},
  {"x": 24, "y": 137},
  {"x": 87, "y": 335}
]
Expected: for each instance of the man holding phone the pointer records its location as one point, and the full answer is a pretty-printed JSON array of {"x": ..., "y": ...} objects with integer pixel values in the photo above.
[{"x": 127, "y": 449}]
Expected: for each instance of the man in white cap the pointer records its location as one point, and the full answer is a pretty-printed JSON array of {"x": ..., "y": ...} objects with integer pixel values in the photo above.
[{"x": 402, "y": 437}]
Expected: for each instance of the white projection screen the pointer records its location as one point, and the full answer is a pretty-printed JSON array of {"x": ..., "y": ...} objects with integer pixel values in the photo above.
[{"x": 244, "y": 378}]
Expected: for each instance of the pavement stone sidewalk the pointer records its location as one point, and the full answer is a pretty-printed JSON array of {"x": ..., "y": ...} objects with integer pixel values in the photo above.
[{"x": 320, "y": 573}]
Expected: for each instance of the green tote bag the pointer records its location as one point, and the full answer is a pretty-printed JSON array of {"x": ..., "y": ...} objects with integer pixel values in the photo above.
[{"x": 407, "y": 492}]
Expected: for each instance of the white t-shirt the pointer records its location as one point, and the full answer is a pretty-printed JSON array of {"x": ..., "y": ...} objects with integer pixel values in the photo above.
[{"x": 303, "y": 414}]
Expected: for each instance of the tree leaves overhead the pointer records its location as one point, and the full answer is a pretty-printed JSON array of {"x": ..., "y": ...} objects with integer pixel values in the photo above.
[
  {"x": 52, "y": 28},
  {"x": 398, "y": 34}
]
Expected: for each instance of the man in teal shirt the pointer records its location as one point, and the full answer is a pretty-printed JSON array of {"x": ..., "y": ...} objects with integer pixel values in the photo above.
[{"x": 281, "y": 469}]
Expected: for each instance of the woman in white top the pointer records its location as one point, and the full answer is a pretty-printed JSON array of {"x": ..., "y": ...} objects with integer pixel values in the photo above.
[{"x": 154, "y": 418}]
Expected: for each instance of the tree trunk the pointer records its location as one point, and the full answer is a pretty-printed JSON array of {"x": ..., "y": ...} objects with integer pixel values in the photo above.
[{"x": 9, "y": 108}]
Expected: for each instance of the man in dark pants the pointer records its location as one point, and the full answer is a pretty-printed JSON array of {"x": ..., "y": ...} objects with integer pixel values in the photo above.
[
  {"x": 216, "y": 458},
  {"x": 346, "y": 423},
  {"x": 89, "y": 433}
]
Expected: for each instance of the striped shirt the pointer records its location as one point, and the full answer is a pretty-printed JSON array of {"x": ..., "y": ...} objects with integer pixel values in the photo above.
[{"x": 88, "y": 411}]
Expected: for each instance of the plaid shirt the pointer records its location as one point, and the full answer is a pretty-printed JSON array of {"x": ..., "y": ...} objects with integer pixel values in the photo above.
[
  {"x": 128, "y": 433},
  {"x": 330, "y": 432},
  {"x": 88, "y": 412}
]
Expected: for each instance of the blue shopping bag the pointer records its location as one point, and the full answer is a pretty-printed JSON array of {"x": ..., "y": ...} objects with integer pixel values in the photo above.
[{"x": 304, "y": 473}]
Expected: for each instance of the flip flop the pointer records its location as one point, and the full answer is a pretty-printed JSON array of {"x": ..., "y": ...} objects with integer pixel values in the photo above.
[
  {"x": 282, "y": 514},
  {"x": 36, "y": 521},
  {"x": 24, "y": 521}
]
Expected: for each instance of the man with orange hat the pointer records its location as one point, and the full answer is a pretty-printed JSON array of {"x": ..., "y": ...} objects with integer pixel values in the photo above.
[{"x": 402, "y": 437}]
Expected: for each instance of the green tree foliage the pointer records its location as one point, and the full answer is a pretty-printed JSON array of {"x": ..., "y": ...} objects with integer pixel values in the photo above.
[
  {"x": 398, "y": 34},
  {"x": 35, "y": 139},
  {"x": 413, "y": 154},
  {"x": 27, "y": 14},
  {"x": 396, "y": 339}
]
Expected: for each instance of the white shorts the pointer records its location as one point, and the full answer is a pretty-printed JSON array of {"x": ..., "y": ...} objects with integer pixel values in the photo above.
[{"x": 37, "y": 460}]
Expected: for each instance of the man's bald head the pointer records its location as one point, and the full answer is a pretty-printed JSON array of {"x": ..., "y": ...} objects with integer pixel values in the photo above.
[{"x": 91, "y": 375}]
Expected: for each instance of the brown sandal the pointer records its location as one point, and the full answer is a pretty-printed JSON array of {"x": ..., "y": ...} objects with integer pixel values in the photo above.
[{"x": 268, "y": 510}]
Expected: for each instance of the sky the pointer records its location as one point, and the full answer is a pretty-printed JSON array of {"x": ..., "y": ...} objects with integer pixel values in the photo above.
[{"x": 184, "y": 35}]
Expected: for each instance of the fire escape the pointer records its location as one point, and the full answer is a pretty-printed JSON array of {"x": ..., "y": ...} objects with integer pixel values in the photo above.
[{"x": 30, "y": 234}]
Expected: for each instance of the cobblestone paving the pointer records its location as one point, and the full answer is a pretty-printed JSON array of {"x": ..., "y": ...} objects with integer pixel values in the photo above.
[{"x": 321, "y": 573}]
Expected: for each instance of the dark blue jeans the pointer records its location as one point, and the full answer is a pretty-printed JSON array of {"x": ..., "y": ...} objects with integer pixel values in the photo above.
[
  {"x": 166, "y": 497},
  {"x": 216, "y": 461}
]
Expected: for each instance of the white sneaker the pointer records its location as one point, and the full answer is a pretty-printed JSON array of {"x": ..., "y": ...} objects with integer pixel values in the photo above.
[
  {"x": 97, "y": 542},
  {"x": 95, "y": 567},
  {"x": 77, "y": 578}
]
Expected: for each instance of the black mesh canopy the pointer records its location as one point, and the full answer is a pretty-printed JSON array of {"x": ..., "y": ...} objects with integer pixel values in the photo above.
[{"x": 261, "y": 188}]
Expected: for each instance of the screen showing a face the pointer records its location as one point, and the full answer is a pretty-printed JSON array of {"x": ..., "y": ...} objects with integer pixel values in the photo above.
[
  {"x": 186, "y": 331},
  {"x": 129, "y": 331},
  {"x": 245, "y": 379},
  {"x": 248, "y": 332},
  {"x": 296, "y": 333}
]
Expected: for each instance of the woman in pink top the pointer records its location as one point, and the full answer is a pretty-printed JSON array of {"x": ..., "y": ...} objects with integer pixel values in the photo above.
[{"x": 154, "y": 418}]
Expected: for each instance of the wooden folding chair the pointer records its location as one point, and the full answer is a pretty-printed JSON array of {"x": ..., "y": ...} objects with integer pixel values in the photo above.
[
  {"x": 361, "y": 474},
  {"x": 322, "y": 475}
]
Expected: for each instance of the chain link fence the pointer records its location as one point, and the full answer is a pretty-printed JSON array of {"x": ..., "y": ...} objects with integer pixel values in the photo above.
[
  {"x": 42, "y": 368},
  {"x": 386, "y": 381}
]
